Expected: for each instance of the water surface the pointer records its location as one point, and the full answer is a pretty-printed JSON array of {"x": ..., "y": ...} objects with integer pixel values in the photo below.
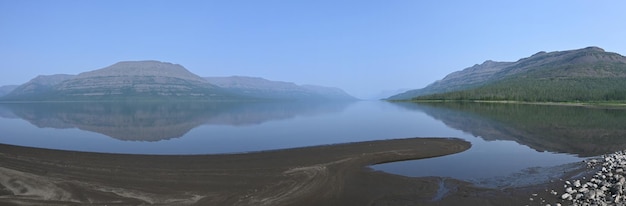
[{"x": 506, "y": 139}]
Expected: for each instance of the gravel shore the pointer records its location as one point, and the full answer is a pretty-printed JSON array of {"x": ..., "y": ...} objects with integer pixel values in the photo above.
[{"x": 605, "y": 185}]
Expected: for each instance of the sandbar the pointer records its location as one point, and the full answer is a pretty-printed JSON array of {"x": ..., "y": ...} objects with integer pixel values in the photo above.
[{"x": 319, "y": 175}]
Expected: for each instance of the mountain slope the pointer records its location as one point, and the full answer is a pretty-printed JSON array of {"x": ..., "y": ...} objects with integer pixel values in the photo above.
[
  {"x": 589, "y": 74},
  {"x": 464, "y": 79},
  {"x": 267, "y": 89},
  {"x": 4, "y": 90},
  {"x": 38, "y": 85}
]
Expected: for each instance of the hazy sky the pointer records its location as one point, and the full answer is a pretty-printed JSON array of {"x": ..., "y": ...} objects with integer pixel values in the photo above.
[{"x": 360, "y": 46}]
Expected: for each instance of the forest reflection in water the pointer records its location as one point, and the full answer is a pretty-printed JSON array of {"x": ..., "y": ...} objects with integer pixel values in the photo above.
[
  {"x": 516, "y": 144},
  {"x": 578, "y": 130}
]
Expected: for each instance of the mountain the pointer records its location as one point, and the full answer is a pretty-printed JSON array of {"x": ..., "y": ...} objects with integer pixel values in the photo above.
[
  {"x": 459, "y": 80},
  {"x": 266, "y": 89},
  {"x": 383, "y": 94},
  {"x": 7, "y": 89},
  {"x": 154, "y": 80},
  {"x": 588, "y": 74},
  {"x": 328, "y": 92},
  {"x": 123, "y": 80},
  {"x": 140, "y": 79}
]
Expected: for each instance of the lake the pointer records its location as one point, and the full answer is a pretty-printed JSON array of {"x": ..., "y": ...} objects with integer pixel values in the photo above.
[{"x": 509, "y": 141}]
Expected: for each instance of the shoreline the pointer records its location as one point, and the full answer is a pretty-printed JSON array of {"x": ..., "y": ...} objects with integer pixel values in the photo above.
[
  {"x": 303, "y": 176},
  {"x": 318, "y": 175},
  {"x": 620, "y": 105}
]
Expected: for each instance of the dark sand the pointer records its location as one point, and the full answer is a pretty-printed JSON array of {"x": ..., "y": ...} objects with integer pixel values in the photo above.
[{"x": 321, "y": 175}]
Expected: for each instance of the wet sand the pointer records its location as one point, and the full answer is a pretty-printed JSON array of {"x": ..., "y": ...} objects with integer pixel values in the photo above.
[{"x": 320, "y": 175}]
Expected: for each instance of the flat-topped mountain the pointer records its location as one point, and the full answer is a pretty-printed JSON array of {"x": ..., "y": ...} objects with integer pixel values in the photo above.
[
  {"x": 154, "y": 80},
  {"x": 263, "y": 88},
  {"x": 123, "y": 80},
  {"x": 143, "y": 68},
  {"x": 588, "y": 74},
  {"x": 140, "y": 78}
]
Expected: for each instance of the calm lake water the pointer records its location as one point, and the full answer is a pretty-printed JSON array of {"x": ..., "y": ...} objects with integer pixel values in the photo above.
[{"x": 507, "y": 139}]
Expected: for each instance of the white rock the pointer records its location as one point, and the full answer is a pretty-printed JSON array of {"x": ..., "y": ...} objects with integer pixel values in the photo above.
[
  {"x": 577, "y": 183},
  {"x": 578, "y": 196},
  {"x": 565, "y": 196}
]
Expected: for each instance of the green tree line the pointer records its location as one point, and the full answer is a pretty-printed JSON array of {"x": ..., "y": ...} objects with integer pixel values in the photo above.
[{"x": 542, "y": 90}]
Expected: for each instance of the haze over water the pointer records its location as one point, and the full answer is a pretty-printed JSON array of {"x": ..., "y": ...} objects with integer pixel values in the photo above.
[{"x": 506, "y": 139}]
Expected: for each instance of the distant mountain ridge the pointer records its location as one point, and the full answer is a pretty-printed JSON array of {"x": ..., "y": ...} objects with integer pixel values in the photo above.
[
  {"x": 263, "y": 88},
  {"x": 588, "y": 74},
  {"x": 7, "y": 89},
  {"x": 148, "y": 80},
  {"x": 40, "y": 84}
]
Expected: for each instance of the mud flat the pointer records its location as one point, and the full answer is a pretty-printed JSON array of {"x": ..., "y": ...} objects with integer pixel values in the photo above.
[{"x": 320, "y": 175}]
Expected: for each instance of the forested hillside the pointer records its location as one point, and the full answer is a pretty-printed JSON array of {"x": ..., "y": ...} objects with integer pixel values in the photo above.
[
  {"x": 589, "y": 74},
  {"x": 542, "y": 90}
]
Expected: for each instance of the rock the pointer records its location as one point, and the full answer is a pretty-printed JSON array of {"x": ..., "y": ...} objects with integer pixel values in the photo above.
[
  {"x": 566, "y": 196},
  {"x": 578, "y": 196},
  {"x": 577, "y": 183}
]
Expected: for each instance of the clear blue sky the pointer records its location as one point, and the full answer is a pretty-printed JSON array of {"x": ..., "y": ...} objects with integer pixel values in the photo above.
[{"x": 360, "y": 46}]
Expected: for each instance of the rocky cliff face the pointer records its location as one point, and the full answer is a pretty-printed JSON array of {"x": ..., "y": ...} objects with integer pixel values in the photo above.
[
  {"x": 590, "y": 62},
  {"x": 587, "y": 62}
]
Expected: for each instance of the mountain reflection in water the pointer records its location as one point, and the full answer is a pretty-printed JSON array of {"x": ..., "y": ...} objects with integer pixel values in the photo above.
[
  {"x": 155, "y": 121},
  {"x": 583, "y": 131}
]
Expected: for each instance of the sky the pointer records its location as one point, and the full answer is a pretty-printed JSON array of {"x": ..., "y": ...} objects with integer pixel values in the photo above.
[{"x": 361, "y": 46}]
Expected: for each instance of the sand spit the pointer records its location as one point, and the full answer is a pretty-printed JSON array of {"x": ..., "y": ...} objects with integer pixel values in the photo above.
[{"x": 320, "y": 175}]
